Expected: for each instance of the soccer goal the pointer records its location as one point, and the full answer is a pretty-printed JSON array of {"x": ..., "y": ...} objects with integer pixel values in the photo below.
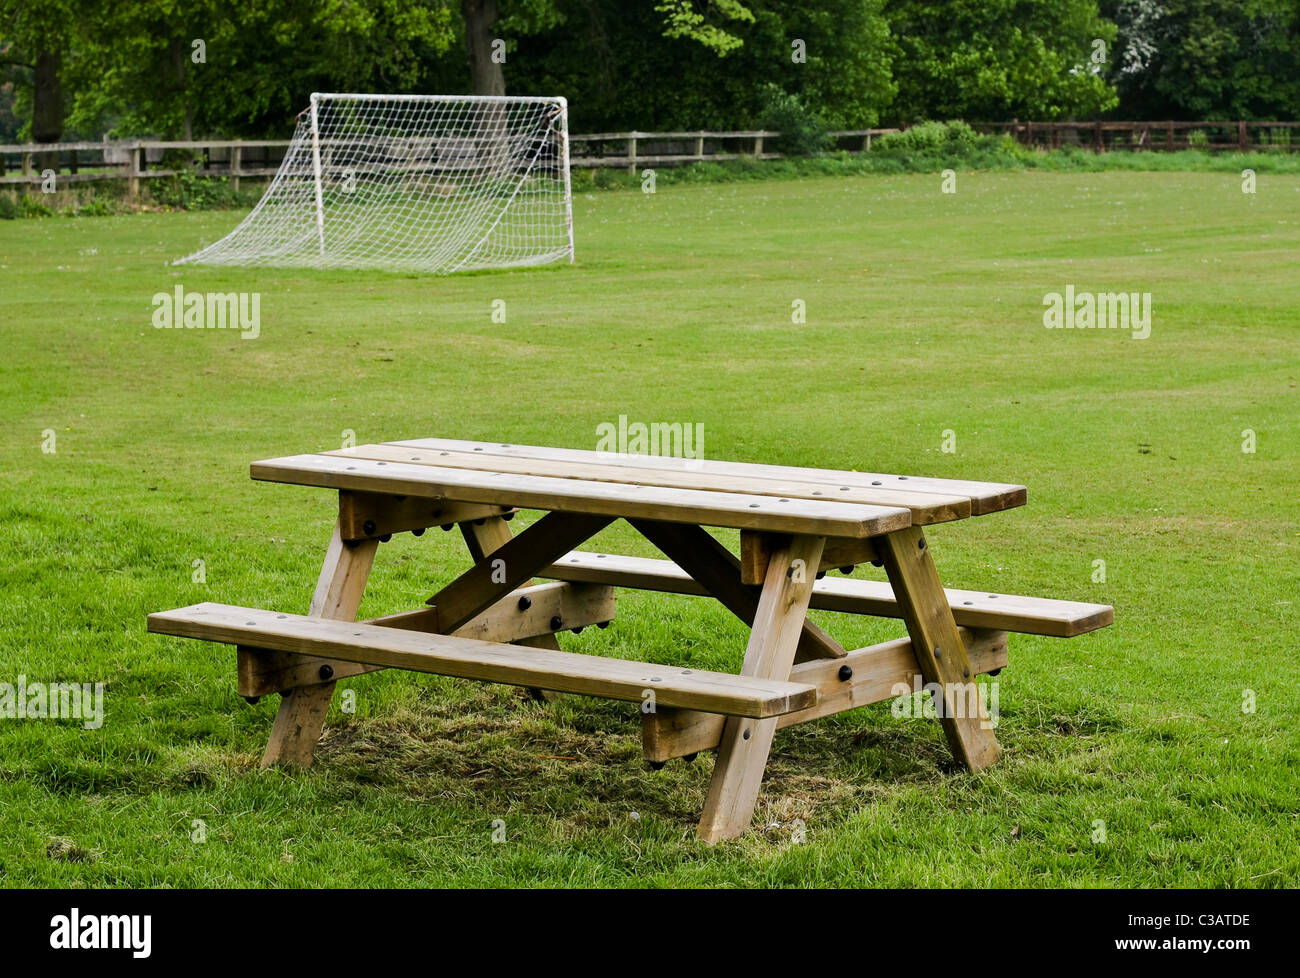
[{"x": 426, "y": 183}]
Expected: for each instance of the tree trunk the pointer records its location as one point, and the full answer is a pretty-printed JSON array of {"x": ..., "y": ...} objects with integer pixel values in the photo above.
[
  {"x": 486, "y": 75},
  {"x": 47, "y": 106},
  {"x": 179, "y": 53}
]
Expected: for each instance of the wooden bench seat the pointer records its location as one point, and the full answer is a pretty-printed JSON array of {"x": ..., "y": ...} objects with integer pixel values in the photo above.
[
  {"x": 972, "y": 609},
  {"x": 445, "y": 655}
]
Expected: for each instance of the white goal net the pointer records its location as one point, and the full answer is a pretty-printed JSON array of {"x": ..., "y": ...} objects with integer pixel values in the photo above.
[{"x": 426, "y": 183}]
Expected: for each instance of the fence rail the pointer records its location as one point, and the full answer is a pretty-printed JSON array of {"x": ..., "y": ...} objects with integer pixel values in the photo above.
[
  {"x": 141, "y": 159},
  {"x": 1102, "y": 137}
]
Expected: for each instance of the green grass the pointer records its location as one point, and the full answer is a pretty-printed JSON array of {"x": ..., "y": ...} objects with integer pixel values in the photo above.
[{"x": 923, "y": 314}]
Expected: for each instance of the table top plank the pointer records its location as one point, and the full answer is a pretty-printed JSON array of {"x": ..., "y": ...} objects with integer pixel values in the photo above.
[
  {"x": 700, "y": 507},
  {"x": 927, "y": 508},
  {"x": 985, "y": 497}
]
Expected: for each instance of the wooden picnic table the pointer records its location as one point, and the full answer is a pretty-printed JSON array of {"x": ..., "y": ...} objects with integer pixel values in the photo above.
[{"x": 493, "y": 623}]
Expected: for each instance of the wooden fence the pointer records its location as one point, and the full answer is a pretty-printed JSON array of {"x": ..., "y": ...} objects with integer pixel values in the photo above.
[
  {"x": 1104, "y": 137},
  {"x": 135, "y": 160}
]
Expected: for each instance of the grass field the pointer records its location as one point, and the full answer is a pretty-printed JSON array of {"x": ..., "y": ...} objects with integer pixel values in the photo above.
[{"x": 923, "y": 315}]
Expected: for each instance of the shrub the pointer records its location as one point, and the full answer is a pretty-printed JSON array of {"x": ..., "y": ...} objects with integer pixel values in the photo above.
[
  {"x": 803, "y": 132},
  {"x": 931, "y": 137}
]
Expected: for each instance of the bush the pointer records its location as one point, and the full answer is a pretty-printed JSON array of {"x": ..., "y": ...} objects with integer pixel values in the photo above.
[
  {"x": 931, "y": 137},
  {"x": 803, "y": 132},
  {"x": 31, "y": 207},
  {"x": 8, "y": 207},
  {"x": 190, "y": 190}
]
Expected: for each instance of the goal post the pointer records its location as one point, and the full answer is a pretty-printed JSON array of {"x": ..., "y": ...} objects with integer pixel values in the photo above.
[{"x": 424, "y": 183}]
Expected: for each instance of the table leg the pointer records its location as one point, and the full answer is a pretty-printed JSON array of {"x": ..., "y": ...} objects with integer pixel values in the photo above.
[
  {"x": 301, "y": 717},
  {"x": 778, "y": 623},
  {"x": 940, "y": 653},
  {"x": 484, "y": 536}
]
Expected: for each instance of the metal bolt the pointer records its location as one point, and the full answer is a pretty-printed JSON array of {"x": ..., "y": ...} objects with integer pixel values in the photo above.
[
  {"x": 445, "y": 527},
  {"x": 994, "y": 672},
  {"x": 938, "y": 652},
  {"x": 385, "y": 538},
  {"x": 556, "y": 623},
  {"x": 418, "y": 531},
  {"x": 326, "y": 672},
  {"x": 525, "y": 602},
  {"x": 920, "y": 544},
  {"x": 368, "y": 527},
  {"x": 746, "y": 735},
  {"x": 877, "y": 563},
  {"x": 578, "y": 630},
  {"x": 655, "y": 765},
  {"x": 845, "y": 673},
  {"x": 252, "y": 700},
  {"x": 602, "y": 624},
  {"x": 508, "y": 516},
  {"x": 965, "y": 673},
  {"x": 847, "y": 570},
  {"x": 690, "y": 758}
]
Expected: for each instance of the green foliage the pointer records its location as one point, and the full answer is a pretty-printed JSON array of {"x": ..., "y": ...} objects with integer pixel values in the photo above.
[
  {"x": 189, "y": 190},
  {"x": 992, "y": 60},
  {"x": 803, "y": 131},
  {"x": 30, "y": 206},
  {"x": 9, "y": 208},
  {"x": 930, "y": 137},
  {"x": 683, "y": 18},
  {"x": 1206, "y": 59}
]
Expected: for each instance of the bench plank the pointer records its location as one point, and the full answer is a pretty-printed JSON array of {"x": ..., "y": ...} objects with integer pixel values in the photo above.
[
  {"x": 564, "y": 672},
  {"x": 972, "y": 609},
  {"x": 926, "y": 508},
  {"x": 985, "y": 497},
  {"x": 736, "y": 510}
]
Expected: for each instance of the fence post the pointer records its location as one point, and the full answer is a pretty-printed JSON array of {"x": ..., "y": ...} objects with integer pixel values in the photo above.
[
  {"x": 699, "y": 146},
  {"x": 1169, "y": 137},
  {"x": 135, "y": 157},
  {"x": 236, "y": 156},
  {"x": 27, "y": 164},
  {"x": 631, "y": 154},
  {"x": 1099, "y": 144},
  {"x": 758, "y": 146},
  {"x": 1243, "y": 140}
]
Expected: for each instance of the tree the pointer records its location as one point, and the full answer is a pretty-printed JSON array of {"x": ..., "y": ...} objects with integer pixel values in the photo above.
[
  {"x": 1202, "y": 59},
  {"x": 998, "y": 59},
  {"x": 246, "y": 69},
  {"x": 38, "y": 37}
]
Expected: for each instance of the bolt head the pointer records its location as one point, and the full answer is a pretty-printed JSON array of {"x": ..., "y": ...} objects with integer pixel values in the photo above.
[
  {"x": 525, "y": 602},
  {"x": 845, "y": 673},
  {"x": 327, "y": 672}
]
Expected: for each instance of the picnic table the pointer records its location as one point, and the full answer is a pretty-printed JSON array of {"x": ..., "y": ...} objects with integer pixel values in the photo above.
[{"x": 494, "y": 623}]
